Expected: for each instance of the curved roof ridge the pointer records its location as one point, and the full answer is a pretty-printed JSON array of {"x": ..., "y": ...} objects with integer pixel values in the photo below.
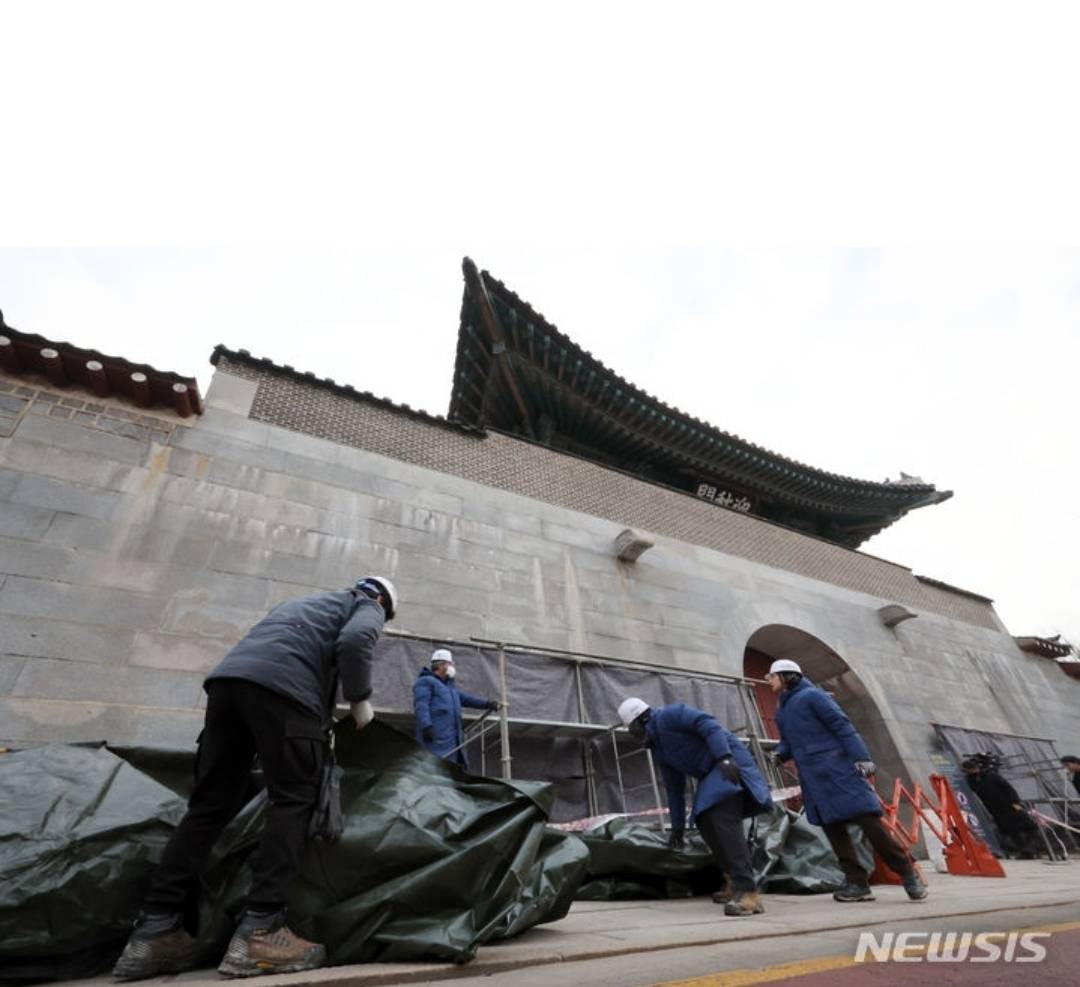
[{"x": 520, "y": 304}]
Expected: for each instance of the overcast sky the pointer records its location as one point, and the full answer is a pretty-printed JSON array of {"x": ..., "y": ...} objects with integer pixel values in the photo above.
[{"x": 672, "y": 186}]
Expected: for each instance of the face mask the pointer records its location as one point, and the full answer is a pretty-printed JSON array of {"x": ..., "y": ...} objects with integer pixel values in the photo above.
[
  {"x": 450, "y": 673},
  {"x": 637, "y": 731}
]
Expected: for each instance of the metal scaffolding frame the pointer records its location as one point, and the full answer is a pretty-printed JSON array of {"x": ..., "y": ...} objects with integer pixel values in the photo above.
[{"x": 480, "y": 728}]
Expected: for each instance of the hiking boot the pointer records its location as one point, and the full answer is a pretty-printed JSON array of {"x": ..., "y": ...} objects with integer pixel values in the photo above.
[
  {"x": 854, "y": 892},
  {"x": 265, "y": 944},
  {"x": 726, "y": 893},
  {"x": 914, "y": 886},
  {"x": 745, "y": 903},
  {"x": 160, "y": 944}
]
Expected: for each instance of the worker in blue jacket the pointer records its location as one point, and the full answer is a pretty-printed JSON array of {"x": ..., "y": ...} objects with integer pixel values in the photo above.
[
  {"x": 686, "y": 741},
  {"x": 437, "y": 703},
  {"x": 834, "y": 771}
]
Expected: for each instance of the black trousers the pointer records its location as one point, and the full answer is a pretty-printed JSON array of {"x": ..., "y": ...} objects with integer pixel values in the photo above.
[
  {"x": 884, "y": 843},
  {"x": 722, "y": 829},
  {"x": 242, "y": 720}
]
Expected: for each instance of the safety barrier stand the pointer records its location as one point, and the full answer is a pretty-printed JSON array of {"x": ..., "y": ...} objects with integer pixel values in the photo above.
[{"x": 965, "y": 854}]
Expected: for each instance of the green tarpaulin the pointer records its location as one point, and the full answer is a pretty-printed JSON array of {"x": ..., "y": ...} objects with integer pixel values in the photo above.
[{"x": 433, "y": 861}]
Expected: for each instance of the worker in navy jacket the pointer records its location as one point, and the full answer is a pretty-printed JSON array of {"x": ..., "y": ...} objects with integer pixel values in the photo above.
[
  {"x": 835, "y": 769},
  {"x": 686, "y": 741},
  {"x": 437, "y": 703}
]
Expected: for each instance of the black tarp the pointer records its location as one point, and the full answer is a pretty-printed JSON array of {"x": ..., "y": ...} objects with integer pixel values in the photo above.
[
  {"x": 433, "y": 862},
  {"x": 631, "y": 860}
]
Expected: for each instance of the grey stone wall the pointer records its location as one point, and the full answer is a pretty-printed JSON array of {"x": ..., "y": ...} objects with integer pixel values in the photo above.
[{"x": 130, "y": 561}]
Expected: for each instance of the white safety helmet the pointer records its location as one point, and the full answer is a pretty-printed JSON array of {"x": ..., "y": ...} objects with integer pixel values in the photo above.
[
  {"x": 630, "y": 709},
  {"x": 388, "y": 593},
  {"x": 784, "y": 665},
  {"x": 441, "y": 654}
]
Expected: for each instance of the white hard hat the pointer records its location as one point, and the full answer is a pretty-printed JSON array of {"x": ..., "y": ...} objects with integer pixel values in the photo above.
[
  {"x": 389, "y": 594},
  {"x": 441, "y": 654},
  {"x": 784, "y": 665},
  {"x": 631, "y": 709}
]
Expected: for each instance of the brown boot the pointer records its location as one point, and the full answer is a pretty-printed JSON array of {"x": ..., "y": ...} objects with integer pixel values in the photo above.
[
  {"x": 726, "y": 893},
  {"x": 745, "y": 903},
  {"x": 158, "y": 945},
  {"x": 255, "y": 950}
]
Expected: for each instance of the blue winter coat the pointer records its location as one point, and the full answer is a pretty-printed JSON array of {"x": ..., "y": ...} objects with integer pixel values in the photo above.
[
  {"x": 816, "y": 732},
  {"x": 685, "y": 741},
  {"x": 437, "y": 704}
]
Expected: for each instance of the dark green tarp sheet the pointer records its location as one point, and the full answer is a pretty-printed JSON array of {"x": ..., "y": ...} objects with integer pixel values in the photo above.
[
  {"x": 433, "y": 861},
  {"x": 630, "y": 860}
]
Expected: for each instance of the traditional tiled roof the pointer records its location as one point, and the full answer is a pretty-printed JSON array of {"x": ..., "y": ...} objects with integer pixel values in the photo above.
[
  {"x": 516, "y": 372},
  {"x": 1045, "y": 647},
  {"x": 65, "y": 364}
]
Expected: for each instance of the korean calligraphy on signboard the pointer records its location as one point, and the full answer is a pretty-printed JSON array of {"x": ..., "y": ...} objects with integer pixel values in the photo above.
[{"x": 725, "y": 498}]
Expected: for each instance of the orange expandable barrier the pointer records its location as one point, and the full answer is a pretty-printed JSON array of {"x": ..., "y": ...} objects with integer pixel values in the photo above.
[{"x": 965, "y": 853}]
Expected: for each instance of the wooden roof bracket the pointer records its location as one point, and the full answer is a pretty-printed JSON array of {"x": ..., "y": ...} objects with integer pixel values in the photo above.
[{"x": 497, "y": 338}]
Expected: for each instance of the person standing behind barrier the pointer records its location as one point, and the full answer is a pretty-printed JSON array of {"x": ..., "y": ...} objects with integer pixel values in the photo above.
[
  {"x": 1019, "y": 832},
  {"x": 686, "y": 741},
  {"x": 834, "y": 771},
  {"x": 437, "y": 703}
]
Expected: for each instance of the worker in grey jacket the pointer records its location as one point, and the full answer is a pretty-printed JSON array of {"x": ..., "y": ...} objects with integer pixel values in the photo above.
[{"x": 272, "y": 695}]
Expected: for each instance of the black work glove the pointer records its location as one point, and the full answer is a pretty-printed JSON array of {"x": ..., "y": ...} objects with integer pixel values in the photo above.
[
  {"x": 779, "y": 761},
  {"x": 494, "y": 704},
  {"x": 676, "y": 840},
  {"x": 428, "y": 734},
  {"x": 730, "y": 770}
]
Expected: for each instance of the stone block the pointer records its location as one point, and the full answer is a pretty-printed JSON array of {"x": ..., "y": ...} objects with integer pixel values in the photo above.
[
  {"x": 49, "y": 600},
  {"x": 48, "y": 678},
  {"x": 215, "y": 620},
  {"x": 11, "y": 667},
  {"x": 35, "y": 558},
  {"x": 231, "y": 394},
  {"x": 177, "y": 652},
  {"x": 76, "y": 531},
  {"x": 46, "y": 493},
  {"x": 24, "y": 520},
  {"x": 8, "y": 479},
  {"x": 98, "y": 442},
  {"x": 11, "y": 405},
  {"x": 46, "y": 721},
  {"x": 71, "y": 466},
  {"x": 36, "y": 638},
  {"x": 218, "y": 446}
]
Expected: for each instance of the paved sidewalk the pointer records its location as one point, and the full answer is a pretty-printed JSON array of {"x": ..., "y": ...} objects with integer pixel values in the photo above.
[{"x": 594, "y": 930}]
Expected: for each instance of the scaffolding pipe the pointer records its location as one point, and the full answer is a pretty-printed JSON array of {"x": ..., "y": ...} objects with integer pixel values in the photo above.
[
  {"x": 655, "y": 785},
  {"x": 504, "y": 717},
  {"x": 618, "y": 771}
]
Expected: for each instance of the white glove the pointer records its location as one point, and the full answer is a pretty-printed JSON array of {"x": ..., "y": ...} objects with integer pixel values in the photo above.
[
  {"x": 362, "y": 713},
  {"x": 866, "y": 768}
]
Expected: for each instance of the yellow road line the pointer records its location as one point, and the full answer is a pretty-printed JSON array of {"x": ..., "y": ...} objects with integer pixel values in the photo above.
[{"x": 821, "y": 964}]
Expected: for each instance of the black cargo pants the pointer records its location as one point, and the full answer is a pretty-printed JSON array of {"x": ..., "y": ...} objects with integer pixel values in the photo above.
[
  {"x": 244, "y": 719},
  {"x": 896, "y": 857},
  {"x": 721, "y": 826}
]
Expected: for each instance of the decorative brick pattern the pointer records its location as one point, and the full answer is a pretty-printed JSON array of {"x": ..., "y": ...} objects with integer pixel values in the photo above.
[{"x": 530, "y": 470}]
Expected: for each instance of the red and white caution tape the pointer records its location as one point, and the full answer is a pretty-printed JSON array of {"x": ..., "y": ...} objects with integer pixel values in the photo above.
[{"x": 1050, "y": 819}]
